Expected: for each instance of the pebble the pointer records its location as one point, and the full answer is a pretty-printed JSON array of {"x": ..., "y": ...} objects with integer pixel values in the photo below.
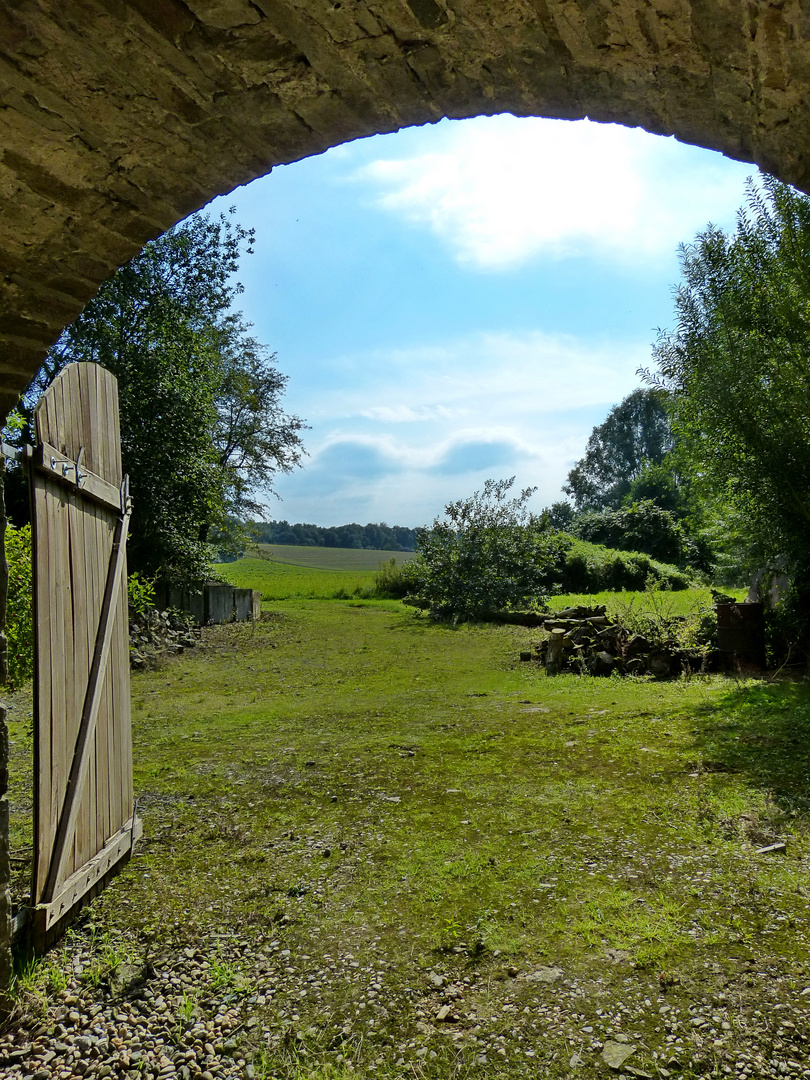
[{"x": 178, "y": 1026}]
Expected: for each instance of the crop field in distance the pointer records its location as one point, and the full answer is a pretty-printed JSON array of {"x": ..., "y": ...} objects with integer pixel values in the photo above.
[{"x": 325, "y": 558}]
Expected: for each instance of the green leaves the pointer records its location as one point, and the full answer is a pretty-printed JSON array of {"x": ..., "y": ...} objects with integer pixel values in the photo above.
[
  {"x": 738, "y": 367},
  {"x": 202, "y": 427},
  {"x": 635, "y": 434},
  {"x": 19, "y": 607},
  {"x": 641, "y": 526},
  {"x": 488, "y": 554}
]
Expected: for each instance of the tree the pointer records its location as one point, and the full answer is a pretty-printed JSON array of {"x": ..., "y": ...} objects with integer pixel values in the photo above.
[
  {"x": 560, "y": 515},
  {"x": 253, "y": 436},
  {"x": 202, "y": 428},
  {"x": 737, "y": 368},
  {"x": 488, "y": 553},
  {"x": 635, "y": 434}
]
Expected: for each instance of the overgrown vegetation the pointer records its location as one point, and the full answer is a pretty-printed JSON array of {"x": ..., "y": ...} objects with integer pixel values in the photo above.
[
  {"x": 643, "y": 526},
  {"x": 737, "y": 372},
  {"x": 591, "y": 568},
  {"x": 487, "y": 554},
  {"x": 19, "y": 609}
]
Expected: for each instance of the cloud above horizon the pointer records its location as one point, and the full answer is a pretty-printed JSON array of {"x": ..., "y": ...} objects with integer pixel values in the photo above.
[
  {"x": 484, "y": 405},
  {"x": 466, "y": 300},
  {"x": 504, "y": 190},
  {"x": 509, "y": 377}
]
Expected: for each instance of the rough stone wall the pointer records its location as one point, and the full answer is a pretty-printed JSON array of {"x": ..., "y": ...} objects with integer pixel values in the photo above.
[
  {"x": 5, "y": 874},
  {"x": 118, "y": 118},
  {"x": 5, "y": 864}
]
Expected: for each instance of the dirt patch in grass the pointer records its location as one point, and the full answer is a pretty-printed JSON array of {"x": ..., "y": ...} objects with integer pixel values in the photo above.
[{"x": 401, "y": 852}]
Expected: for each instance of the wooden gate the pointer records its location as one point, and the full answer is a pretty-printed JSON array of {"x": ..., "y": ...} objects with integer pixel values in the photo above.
[{"x": 84, "y": 820}]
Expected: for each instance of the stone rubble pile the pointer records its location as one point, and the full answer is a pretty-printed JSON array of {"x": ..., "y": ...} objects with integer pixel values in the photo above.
[
  {"x": 159, "y": 633},
  {"x": 588, "y": 641}
]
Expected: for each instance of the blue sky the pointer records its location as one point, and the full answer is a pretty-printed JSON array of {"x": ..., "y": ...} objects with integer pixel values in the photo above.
[{"x": 466, "y": 300}]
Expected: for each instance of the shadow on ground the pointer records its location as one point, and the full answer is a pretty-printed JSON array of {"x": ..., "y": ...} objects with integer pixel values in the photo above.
[{"x": 762, "y": 730}]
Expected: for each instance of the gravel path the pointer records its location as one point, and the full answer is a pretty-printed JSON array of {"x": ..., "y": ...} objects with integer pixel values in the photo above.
[{"x": 235, "y": 1007}]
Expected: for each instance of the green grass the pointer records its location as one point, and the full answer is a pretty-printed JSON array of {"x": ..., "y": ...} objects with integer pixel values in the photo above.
[
  {"x": 277, "y": 580},
  {"x": 680, "y": 602},
  {"x": 376, "y": 793},
  {"x": 284, "y": 581}
]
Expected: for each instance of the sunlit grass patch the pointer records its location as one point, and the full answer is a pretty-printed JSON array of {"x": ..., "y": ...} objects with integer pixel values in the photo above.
[
  {"x": 283, "y": 581},
  {"x": 377, "y": 794},
  {"x": 682, "y": 602}
]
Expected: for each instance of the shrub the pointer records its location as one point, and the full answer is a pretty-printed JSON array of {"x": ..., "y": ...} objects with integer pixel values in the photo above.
[
  {"x": 591, "y": 568},
  {"x": 643, "y": 527},
  {"x": 141, "y": 595},
  {"x": 395, "y": 581},
  {"x": 487, "y": 554},
  {"x": 19, "y": 609}
]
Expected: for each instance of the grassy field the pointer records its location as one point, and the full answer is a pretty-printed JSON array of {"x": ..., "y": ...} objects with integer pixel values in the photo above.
[
  {"x": 279, "y": 580},
  {"x": 411, "y": 855},
  {"x": 284, "y": 581},
  {"x": 682, "y": 602},
  {"x": 324, "y": 558}
]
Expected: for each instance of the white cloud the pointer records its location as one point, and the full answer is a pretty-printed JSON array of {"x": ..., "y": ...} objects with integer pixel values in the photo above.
[
  {"x": 483, "y": 405},
  {"x": 408, "y": 414},
  {"x": 502, "y": 190},
  {"x": 507, "y": 378}
]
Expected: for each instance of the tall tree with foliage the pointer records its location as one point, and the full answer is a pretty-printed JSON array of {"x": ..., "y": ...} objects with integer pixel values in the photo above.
[
  {"x": 202, "y": 427},
  {"x": 254, "y": 437},
  {"x": 737, "y": 368},
  {"x": 635, "y": 435}
]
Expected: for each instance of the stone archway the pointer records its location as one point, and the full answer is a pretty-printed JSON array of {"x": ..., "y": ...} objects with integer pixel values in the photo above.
[{"x": 119, "y": 117}]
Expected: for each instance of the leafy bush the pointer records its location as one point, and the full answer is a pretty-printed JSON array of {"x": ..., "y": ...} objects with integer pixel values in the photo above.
[
  {"x": 488, "y": 554},
  {"x": 395, "y": 581},
  {"x": 19, "y": 610},
  {"x": 591, "y": 568},
  {"x": 644, "y": 527},
  {"x": 141, "y": 594}
]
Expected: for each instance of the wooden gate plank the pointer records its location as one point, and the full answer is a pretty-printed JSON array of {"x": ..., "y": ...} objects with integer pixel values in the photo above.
[
  {"x": 102, "y": 752},
  {"x": 87, "y": 727},
  {"x": 42, "y": 691},
  {"x": 61, "y": 692}
]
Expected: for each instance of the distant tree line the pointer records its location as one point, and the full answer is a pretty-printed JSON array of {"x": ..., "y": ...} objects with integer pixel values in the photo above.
[{"x": 373, "y": 537}]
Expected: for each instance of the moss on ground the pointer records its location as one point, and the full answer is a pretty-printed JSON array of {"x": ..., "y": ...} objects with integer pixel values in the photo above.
[{"x": 348, "y": 780}]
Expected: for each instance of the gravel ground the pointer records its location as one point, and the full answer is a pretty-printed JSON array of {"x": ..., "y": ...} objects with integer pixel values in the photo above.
[{"x": 235, "y": 1007}]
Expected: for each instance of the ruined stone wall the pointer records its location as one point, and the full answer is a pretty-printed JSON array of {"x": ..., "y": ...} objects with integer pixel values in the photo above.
[
  {"x": 118, "y": 118},
  {"x": 5, "y": 863}
]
